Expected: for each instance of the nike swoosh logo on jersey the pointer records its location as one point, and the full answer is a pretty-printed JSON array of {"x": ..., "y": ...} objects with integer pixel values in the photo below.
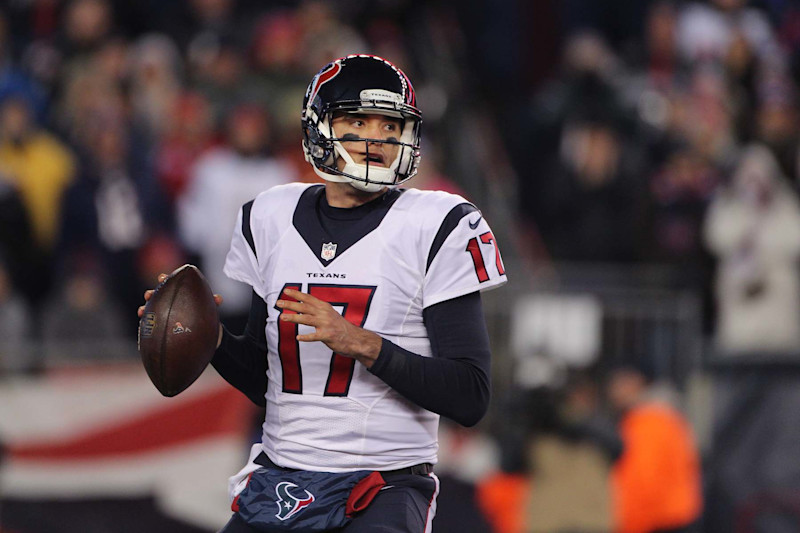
[{"x": 473, "y": 225}]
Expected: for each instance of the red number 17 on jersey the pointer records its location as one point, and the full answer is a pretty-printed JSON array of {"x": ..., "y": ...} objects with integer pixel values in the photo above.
[
  {"x": 474, "y": 248},
  {"x": 355, "y": 301}
]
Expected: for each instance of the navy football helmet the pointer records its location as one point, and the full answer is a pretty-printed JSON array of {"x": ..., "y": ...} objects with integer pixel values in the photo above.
[{"x": 360, "y": 84}]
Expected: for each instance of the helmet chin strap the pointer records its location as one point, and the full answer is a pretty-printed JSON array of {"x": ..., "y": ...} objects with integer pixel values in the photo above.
[
  {"x": 384, "y": 176},
  {"x": 361, "y": 185}
]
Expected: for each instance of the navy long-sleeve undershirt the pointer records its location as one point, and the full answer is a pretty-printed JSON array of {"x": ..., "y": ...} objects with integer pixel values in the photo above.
[
  {"x": 454, "y": 382},
  {"x": 242, "y": 359}
]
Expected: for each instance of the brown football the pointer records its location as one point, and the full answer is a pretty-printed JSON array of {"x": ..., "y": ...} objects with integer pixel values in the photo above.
[{"x": 178, "y": 330}]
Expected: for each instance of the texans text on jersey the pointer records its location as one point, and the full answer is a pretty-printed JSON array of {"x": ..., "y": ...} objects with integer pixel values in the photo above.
[{"x": 326, "y": 275}]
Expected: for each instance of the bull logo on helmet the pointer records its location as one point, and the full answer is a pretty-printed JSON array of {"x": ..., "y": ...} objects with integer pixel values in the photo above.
[
  {"x": 323, "y": 77},
  {"x": 288, "y": 504}
]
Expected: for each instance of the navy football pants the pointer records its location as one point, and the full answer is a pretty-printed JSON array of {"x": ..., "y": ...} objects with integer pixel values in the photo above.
[{"x": 402, "y": 507}]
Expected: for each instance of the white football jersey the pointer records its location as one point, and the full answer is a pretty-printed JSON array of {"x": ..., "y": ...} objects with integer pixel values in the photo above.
[{"x": 324, "y": 411}]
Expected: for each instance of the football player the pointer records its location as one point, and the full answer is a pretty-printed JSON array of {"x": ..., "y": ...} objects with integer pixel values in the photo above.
[{"x": 366, "y": 322}]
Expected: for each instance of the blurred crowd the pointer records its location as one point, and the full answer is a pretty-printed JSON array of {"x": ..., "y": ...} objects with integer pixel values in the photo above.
[
  {"x": 667, "y": 135},
  {"x": 640, "y": 132},
  {"x": 131, "y": 133},
  {"x": 670, "y": 135}
]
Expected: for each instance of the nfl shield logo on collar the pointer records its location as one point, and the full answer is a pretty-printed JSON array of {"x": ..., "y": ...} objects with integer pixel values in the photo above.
[{"x": 328, "y": 251}]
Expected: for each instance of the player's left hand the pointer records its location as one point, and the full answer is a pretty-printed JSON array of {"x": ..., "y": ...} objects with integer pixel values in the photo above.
[{"x": 331, "y": 327}]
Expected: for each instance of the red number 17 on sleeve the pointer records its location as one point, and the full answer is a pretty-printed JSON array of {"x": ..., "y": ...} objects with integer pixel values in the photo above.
[{"x": 474, "y": 248}]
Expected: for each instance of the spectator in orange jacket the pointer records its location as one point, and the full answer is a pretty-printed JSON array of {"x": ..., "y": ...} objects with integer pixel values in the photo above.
[
  {"x": 503, "y": 497},
  {"x": 657, "y": 480}
]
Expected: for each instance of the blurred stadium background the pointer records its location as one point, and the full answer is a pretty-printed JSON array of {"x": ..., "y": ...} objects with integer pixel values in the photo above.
[{"x": 638, "y": 160}]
